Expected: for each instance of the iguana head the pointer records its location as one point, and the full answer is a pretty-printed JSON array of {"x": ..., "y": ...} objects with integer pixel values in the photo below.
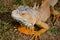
[{"x": 24, "y": 15}]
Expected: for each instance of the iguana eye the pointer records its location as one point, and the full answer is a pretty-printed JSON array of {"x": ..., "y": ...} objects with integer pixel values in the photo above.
[{"x": 23, "y": 14}]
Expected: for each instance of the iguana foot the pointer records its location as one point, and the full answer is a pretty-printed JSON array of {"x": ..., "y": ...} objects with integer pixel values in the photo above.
[
  {"x": 56, "y": 18},
  {"x": 35, "y": 36}
]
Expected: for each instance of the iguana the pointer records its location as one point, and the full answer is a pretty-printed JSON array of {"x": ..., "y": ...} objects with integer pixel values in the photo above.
[{"x": 36, "y": 15}]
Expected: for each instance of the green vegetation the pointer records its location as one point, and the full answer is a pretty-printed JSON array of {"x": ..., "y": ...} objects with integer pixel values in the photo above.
[
  {"x": 20, "y": 2},
  {"x": 54, "y": 31},
  {"x": 8, "y": 5}
]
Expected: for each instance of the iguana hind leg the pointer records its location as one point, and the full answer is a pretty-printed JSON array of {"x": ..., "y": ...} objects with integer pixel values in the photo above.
[
  {"x": 44, "y": 26},
  {"x": 55, "y": 14}
]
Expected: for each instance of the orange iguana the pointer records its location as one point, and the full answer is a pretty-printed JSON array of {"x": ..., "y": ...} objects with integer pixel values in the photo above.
[{"x": 36, "y": 15}]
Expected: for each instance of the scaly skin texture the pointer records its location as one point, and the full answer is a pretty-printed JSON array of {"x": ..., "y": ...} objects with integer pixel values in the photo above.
[{"x": 36, "y": 15}]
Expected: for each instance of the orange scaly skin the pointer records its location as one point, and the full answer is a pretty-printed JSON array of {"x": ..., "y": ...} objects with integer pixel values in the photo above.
[{"x": 36, "y": 15}]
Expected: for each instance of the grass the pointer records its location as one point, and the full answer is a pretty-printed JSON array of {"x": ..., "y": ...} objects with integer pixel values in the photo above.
[{"x": 54, "y": 31}]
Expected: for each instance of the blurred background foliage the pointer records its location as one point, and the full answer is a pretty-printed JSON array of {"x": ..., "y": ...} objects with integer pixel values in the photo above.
[
  {"x": 13, "y": 4},
  {"x": 6, "y": 5},
  {"x": 9, "y": 4}
]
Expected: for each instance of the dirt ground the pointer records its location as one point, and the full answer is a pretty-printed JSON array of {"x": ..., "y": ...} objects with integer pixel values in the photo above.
[{"x": 7, "y": 31}]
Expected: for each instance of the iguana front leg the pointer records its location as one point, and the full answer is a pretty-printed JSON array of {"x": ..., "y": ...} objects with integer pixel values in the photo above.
[{"x": 44, "y": 27}]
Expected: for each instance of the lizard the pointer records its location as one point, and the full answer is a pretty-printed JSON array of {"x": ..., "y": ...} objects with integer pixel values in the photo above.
[{"x": 31, "y": 16}]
